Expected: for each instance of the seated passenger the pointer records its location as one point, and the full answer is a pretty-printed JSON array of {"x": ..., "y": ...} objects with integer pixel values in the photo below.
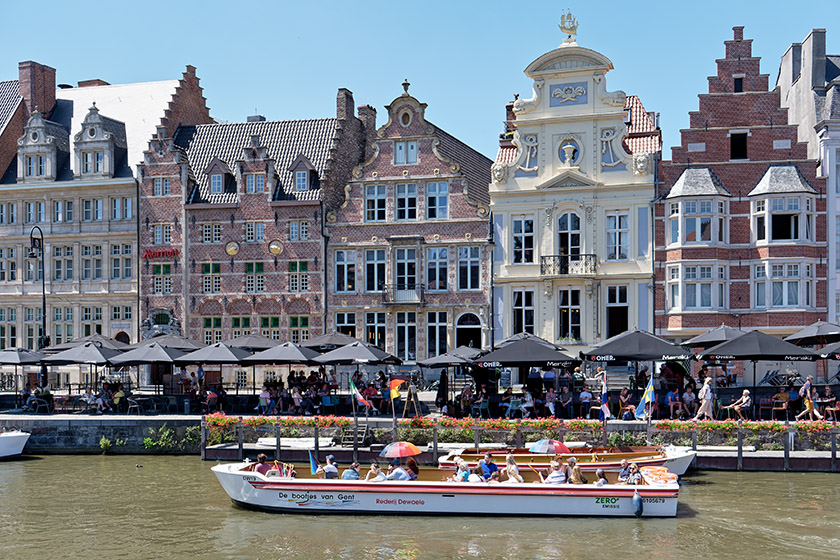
[
  {"x": 624, "y": 471},
  {"x": 477, "y": 474},
  {"x": 352, "y": 473},
  {"x": 396, "y": 471},
  {"x": 374, "y": 474},
  {"x": 635, "y": 476},
  {"x": 511, "y": 469},
  {"x": 556, "y": 476},
  {"x": 488, "y": 467},
  {"x": 412, "y": 469},
  {"x": 602, "y": 479},
  {"x": 576, "y": 476},
  {"x": 462, "y": 471},
  {"x": 330, "y": 470},
  {"x": 495, "y": 478},
  {"x": 262, "y": 467}
]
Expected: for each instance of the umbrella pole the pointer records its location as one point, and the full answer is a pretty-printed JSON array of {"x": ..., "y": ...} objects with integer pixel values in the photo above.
[{"x": 355, "y": 425}]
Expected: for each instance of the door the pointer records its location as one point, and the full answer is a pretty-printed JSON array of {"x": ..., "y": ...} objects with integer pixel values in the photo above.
[{"x": 617, "y": 310}]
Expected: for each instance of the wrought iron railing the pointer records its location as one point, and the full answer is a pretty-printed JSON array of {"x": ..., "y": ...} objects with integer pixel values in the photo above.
[{"x": 567, "y": 265}]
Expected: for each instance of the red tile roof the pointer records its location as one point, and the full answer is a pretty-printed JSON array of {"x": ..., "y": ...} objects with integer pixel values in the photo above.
[
  {"x": 643, "y": 136},
  {"x": 506, "y": 154}
]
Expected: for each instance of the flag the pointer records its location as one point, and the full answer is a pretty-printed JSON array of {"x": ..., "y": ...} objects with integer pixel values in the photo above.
[
  {"x": 395, "y": 393},
  {"x": 605, "y": 400},
  {"x": 358, "y": 395},
  {"x": 647, "y": 398},
  {"x": 313, "y": 464}
]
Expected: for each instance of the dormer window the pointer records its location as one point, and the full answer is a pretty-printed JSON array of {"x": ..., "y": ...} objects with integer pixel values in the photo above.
[
  {"x": 301, "y": 180},
  {"x": 92, "y": 162},
  {"x": 405, "y": 153},
  {"x": 254, "y": 183},
  {"x": 216, "y": 183},
  {"x": 35, "y": 165}
]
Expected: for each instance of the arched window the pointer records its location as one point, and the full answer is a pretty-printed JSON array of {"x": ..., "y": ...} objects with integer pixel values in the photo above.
[{"x": 468, "y": 331}]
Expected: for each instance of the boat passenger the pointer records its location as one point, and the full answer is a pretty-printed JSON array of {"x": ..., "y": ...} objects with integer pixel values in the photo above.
[
  {"x": 330, "y": 470},
  {"x": 462, "y": 471},
  {"x": 374, "y": 474},
  {"x": 495, "y": 478},
  {"x": 576, "y": 476},
  {"x": 635, "y": 476},
  {"x": 477, "y": 474},
  {"x": 396, "y": 471},
  {"x": 262, "y": 466},
  {"x": 512, "y": 470},
  {"x": 412, "y": 469},
  {"x": 624, "y": 471},
  {"x": 488, "y": 467},
  {"x": 353, "y": 472},
  {"x": 556, "y": 476},
  {"x": 602, "y": 479}
]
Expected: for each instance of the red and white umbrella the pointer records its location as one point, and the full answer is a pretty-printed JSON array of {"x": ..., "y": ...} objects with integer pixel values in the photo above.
[
  {"x": 400, "y": 449},
  {"x": 549, "y": 446}
]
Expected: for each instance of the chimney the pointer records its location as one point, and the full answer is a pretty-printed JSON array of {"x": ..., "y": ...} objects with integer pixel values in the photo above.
[
  {"x": 367, "y": 115},
  {"x": 817, "y": 54},
  {"x": 37, "y": 86},
  {"x": 93, "y": 83},
  {"x": 344, "y": 104},
  {"x": 795, "y": 61},
  {"x": 738, "y": 32},
  {"x": 255, "y": 118}
]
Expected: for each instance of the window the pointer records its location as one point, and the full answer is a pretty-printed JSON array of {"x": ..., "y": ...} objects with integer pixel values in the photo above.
[
  {"x": 62, "y": 325},
  {"x": 375, "y": 329},
  {"x": 345, "y": 323},
  {"x": 298, "y": 276},
  {"x": 255, "y": 232},
  {"x": 469, "y": 268},
  {"x": 91, "y": 320},
  {"x": 437, "y": 201},
  {"x": 618, "y": 237},
  {"x": 35, "y": 212},
  {"x": 407, "y": 335},
  {"x": 240, "y": 326},
  {"x": 87, "y": 210},
  {"x": 299, "y": 329},
  {"x": 116, "y": 268},
  {"x": 58, "y": 211},
  {"x": 299, "y": 230},
  {"x": 405, "y": 152},
  {"x": 162, "y": 234},
  {"x": 161, "y": 187},
  {"x": 301, "y": 180},
  {"x": 760, "y": 220},
  {"x": 698, "y": 221},
  {"x": 254, "y": 183},
  {"x": 34, "y": 270},
  {"x": 216, "y": 183},
  {"x": 437, "y": 326},
  {"x": 698, "y": 287},
  {"x": 738, "y": 145},
  {"x": 8, "y": 213},
  {"x": 35, "y": 166},
  {"x": 784, "y": 219},
  {"x": 8, "y": 265},
  {"x": 127, "y": 261},
  {"x": 523, "y": 311},
  {"x": 254, "y": 277},
  {"x": 374, "y": 270},
  {"x": 375, "y": 203},
  {"x": 738, "y": 85},
  {"x": 116, "y": 208},
  {"x": 722, "y": 284},
  {"x": 673, "y": 287},
  {"x": 126, "y": 312},
  {"x": 162, "y": 282},
  {"x": 211, "y": 278},
  {"x": 785, "y": 285},
  {"x": 8, "y": 328},
  {"x": 212, "y": 330},
  {"x": 345, "y": 271},
  {"x": 92, "y": 162},
  {"x": 97, "y": 210},
  {"x": 407, "y": 201},
  {"x": 270, "y": 327},
  {"x": 674, "y": 223},
  {"x": 569, "y": 319},
  {"x": 33, "y": 328},
  {"x": 523, "y": 240},
  {"x": 406, "y": 269},
  {"x": 116, "y": 312},
  {"x": 211, "y": 233},
  {"x": 437, "y": 266}
]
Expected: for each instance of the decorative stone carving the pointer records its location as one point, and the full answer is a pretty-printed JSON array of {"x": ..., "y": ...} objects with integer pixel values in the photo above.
[
  {"x": 359, "y": 169},
  {"x": 642, "y": 164},
  {"x": 523, "y": 106},
  {"x": 609, "y": 155},
  {"x": 613, "y": 98},
  {"x": 547, "y": 289},
  {"x": 568, "y": 93},
  {"x": 499, "y": 172},
  {"x": 530, "y": 147},
  {"x": 590, "y": 214},
  {"x": 331, "y": 216},
  {"x": 454, "y": 166}
]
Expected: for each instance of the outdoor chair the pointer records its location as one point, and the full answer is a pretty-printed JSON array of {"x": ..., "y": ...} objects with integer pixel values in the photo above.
[
  {"x": 133, "y": 405},
  {"x": 481, "y": 409},
  {"x": 514, "y": 408},
  {"x": 765, "y": 404},
  {"x": 41, "y": 405},
  {"x": 780, "y": 406},
  {"x": 263, "y": 406},
  {"x": 329, "y": 402}
]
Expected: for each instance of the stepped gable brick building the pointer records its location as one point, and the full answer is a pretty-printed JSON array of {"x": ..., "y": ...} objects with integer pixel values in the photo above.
[
  {"x": 231, "y": 225},
  {"x": 740, "y": 220},
  {"x": 809, "y": 87},
  {"x": 409, "y": 265},
  {"x": 68, "y": 157}
]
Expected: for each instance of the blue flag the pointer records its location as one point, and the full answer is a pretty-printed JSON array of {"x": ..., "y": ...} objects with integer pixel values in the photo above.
[
  {"x": 647, "y": 398},
  {"x": 313, "y": 464}
]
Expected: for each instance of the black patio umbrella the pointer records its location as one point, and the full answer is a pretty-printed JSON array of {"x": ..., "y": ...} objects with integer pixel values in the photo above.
[
  {"x": 527, "y": 336},
  {"x": 286, "y": 353},
  {"x": 357, "y": 352},
  {"x": 252, "y": 342},
  {"x": 830, "y": 352},
  {"x": 446, "y": 360},
  {"x": 819, "y": 333},
  {"x": 636, "y": 346},
  {"x": 466, "y": 352},
  {"x": 88, "y": 353},
  {"x": 170, "y": 341},
  {"x": 20, "y": 357},
  {"x": 717, "y": 335},
  {"x": 329, "y": 341},
  {"x": 219, "y": 353},
  {"x": 151, "y": 354},
  {"x": 525, "y": 352},
  {"x": 101, "y": 341}
]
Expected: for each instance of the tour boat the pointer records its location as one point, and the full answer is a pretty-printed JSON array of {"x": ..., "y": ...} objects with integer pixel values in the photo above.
[
  {"x": 675, "y": 458},
  {"x": 656, "y": 498},
  {"x": 12, "y": 443}
]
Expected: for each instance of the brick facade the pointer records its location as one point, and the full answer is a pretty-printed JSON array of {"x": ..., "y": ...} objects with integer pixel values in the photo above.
[{"x": 740, "y": 218}]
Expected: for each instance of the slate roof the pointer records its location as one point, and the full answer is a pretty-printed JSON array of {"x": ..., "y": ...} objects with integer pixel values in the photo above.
[
  {"x": 832, "y": 67},
  {"x": 474, "y": 165},
  {"x": 9, "y": 100},
  {"x": 782, "y": 178},
  {"x": 830, "y": 104},
  {"x": 697, "y": 181},
  {"x": 283, "y": 140},
  {"x": 643, "y": 136}
]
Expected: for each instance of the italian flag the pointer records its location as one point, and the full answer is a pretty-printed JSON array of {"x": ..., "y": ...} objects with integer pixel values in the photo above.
[{"x": 358, "y": 395}]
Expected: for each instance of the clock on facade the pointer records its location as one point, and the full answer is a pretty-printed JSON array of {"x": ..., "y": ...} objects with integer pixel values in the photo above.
[
  {"x": 232, "y": 248},
  {"x": 275, "y": 247}
]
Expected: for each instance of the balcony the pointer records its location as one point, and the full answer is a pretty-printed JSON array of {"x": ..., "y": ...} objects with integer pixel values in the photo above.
[
  {"x": 401, "y": 294},
  {"x": 568, "y": 265}
]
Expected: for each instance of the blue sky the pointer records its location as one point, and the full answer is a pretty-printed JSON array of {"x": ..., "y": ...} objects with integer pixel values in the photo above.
[{"x": 463, "y": 58}]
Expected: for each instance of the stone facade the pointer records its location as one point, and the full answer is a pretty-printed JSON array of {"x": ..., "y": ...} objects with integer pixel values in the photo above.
[
  {"x": 809, "y": 88},
  {"x": 571, "y": 191},
  {"x": 740, "y": 218},
  {"x": 408, "y": 257}
]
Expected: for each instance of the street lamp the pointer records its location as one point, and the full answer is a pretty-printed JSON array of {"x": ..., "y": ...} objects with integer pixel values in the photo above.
[{"x": 36, "y": 250}]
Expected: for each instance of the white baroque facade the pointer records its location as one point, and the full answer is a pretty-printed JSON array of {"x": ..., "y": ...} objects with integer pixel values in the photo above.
[{"x": 571, "y": 194}]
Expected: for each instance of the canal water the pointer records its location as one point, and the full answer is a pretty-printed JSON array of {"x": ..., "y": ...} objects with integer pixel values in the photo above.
[{"x": 173, "y": 507}]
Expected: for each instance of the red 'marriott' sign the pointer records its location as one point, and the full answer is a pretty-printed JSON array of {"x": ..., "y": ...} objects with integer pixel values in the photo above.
[{"x": 160, "y": 253}]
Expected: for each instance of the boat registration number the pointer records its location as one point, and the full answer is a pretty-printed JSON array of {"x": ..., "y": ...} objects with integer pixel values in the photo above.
[{"x": 653, "y": 500}]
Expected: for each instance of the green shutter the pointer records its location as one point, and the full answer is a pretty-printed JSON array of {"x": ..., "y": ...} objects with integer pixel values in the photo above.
[
  {"x": 302, "y": 266},
  {"x": 259, "y": 267},
  {"x": 205, "y": 268},
  {"x": 249, "y": 268},
  {"x": 292, "y": 266}
]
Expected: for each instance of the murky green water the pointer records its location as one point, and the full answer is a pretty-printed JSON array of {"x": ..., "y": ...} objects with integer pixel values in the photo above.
[{"x": 173, "y": 507}]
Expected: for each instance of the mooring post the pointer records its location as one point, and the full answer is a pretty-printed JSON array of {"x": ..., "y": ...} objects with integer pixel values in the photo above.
[
  {"x": 355, "y": 437},
  {"x": 276, "y": 441},
  {"x": 694, "y": 440},
  {"x": 477, "y": 435},
  {"x": 833, "y": 450},
  {"x": 435, "y": 441},
  {"x": 786, "y": 444},
  {"x": 317, "y": 443},
  {"x": 203, "y": 441},
  {"x": 518, "y": 438},
  {"x": 240, "y": 437},
  {"x": 740, "y": 448}
]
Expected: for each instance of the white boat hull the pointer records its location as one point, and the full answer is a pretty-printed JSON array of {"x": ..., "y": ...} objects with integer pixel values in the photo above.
[
  {"x": 292, "y": 495},
  {"x": 12, "y": 443}
]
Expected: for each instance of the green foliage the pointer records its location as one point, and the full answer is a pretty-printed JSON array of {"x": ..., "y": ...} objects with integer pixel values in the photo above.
[
  {"x": 105, "y": 444},
  {"x": 624, "y": 439},
  {"x": 165, "y": 439}
]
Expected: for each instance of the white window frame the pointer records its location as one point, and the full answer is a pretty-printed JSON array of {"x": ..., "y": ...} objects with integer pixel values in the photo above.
[
  {"x": 618, "y": 236},
  {"x": 523, "y": 254},
  {"x": 437, "y": 201}
]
